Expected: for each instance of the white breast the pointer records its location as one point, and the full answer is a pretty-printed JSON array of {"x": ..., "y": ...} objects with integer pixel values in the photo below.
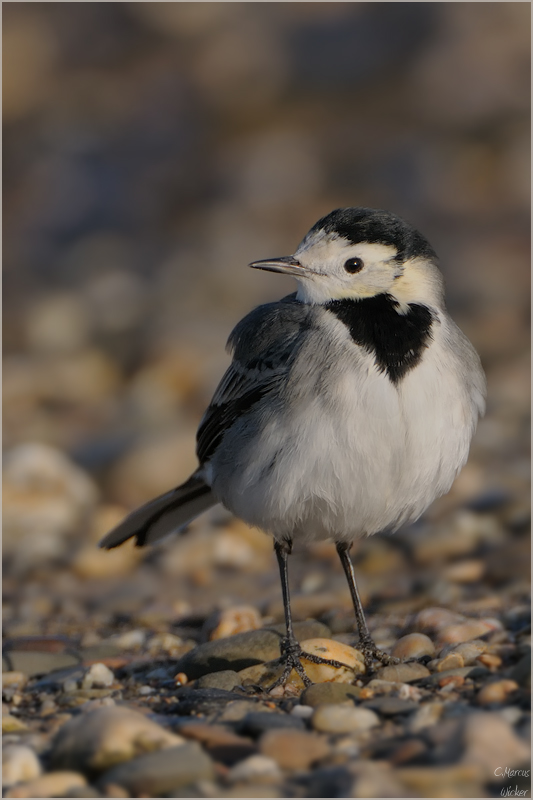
[{"x": 350, "y": 453}]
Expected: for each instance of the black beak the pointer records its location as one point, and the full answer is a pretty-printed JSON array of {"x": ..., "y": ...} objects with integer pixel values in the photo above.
[{"x": 286, "y": 264}]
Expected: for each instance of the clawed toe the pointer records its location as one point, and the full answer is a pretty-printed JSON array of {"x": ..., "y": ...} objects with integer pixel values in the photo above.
[
  {"x": 291, "y": 655},
  {"x": 372, "y": 653}
]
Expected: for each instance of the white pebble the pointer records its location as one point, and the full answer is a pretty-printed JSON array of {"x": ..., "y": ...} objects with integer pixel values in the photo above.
[
  {"x": 344, "y": 718},
  {"x": 304, "y": 712},
  {"x": 257, "y": 767},
  {"x": 19, "y": 765},
  {"x": 98, "y": 676}
]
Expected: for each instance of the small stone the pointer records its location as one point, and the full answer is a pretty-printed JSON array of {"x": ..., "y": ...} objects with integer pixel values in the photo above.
[
  {"x": 103, "y": 737},
  {"x": 489, "y": 660},
  {"x": 328, "y": 694},
  {"x": 465, "y": 672},
  {"x": 14, "y": 679},
  {"x": 464, "y": 631},
  {"x": 402, "y": 673},
  {"x": 490, "y": 742},
  {"x": 434, "y": 619},
  {"x": 53, "y": 784},
  {"x": 225, "y": 679},
  {"x": 427, "y": 715},
  {"x": 451, "y": 682},
  {"x": 467, "y": 571},
  {"x": 19, "y": 765},
  {"x": 451, "y": 661},
  {"x": 496, "y": 692},
  {"x": 98, "y": 676},
  {"x": 392, "y": 706},
  {"x": 11, "y": 724},
  {"x": 33, "y": 663},
  {"x": 302, "y": 712},
  {"x": 237, "y": 619},
  {"x": 258, "y": 768},
  {"x": 343, "y": 718},
  {"x": 155, "y": 774},
  {"x": 130, "y": 640},
  {"x": 222, "y": 744},
  {"x": 237, "y": 710},
  {"x": 451, "y": 780},
  {"x": 414, "y": 645},
  {"x": 293, "y": 749},
  {"x": 469, "y": 651}
]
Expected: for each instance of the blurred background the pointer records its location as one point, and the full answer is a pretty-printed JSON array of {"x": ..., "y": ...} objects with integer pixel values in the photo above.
[{"x": 151, "y": 150}]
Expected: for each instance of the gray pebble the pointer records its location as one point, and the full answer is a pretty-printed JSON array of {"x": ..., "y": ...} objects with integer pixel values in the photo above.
[
  {"x": 328, "y": 693},
  {"x": 391, "y": 706},
  {"x": 32, "y": 662},
  {"x": 225, "y": 679},
  {"x": 163, "y": 771}
]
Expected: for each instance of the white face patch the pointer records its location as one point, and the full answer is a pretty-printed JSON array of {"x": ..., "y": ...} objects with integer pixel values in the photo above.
[{"x": 325, "y": 256}]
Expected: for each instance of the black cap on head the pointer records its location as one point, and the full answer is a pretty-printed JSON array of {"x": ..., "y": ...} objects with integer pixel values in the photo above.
[{"x": 376, "y": 227}]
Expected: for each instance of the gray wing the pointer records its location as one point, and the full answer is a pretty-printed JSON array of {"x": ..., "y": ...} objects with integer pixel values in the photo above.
[{"x": 264, "y": 345}]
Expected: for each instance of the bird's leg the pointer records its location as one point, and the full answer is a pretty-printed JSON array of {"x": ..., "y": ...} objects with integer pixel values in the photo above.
[
  {"x": 366, "y": 643},
  {"x": 291, "y": 652}
]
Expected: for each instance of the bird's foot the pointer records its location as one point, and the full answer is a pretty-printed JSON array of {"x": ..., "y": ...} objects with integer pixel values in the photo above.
[
  {"x": 372, "y": 653},
  {"x": 291, "y": 655}
]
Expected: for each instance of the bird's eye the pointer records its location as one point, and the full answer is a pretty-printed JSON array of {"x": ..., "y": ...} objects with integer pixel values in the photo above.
[{"x": 354, "y": 265}]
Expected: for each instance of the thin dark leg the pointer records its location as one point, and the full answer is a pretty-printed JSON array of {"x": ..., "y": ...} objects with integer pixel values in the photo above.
[
  {"x": 291, "y": 652},
  {"x": 368, "y": 646}
]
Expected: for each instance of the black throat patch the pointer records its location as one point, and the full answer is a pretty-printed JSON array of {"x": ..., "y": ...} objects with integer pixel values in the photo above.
[{"x": 397, "y": 340}]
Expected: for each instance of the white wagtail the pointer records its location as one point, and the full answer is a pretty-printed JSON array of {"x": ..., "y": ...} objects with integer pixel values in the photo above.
[{"x": 349, "y": 405}]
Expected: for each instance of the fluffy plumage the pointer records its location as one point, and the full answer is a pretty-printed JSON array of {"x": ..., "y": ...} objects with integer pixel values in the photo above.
[{"x": 348, "y": 407}]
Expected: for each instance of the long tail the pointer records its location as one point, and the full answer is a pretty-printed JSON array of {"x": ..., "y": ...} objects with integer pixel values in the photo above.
[{"x": 164, "y": 514}]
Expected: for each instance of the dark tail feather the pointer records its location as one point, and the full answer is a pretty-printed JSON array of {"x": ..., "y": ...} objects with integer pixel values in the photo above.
[{"x": 164, "y": 514}]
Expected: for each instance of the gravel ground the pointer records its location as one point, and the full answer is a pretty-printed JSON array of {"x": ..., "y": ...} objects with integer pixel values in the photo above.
[{"x": 152, "y": 150}]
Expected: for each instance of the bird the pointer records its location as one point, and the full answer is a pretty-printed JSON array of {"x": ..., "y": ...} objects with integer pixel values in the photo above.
[{"x": 348, "y": 408}]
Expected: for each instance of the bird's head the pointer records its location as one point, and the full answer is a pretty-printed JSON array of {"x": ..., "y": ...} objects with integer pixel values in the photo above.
[{"x": 355, "y": 253}]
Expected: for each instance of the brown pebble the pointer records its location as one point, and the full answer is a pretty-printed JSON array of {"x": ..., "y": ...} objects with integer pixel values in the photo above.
[
  {"x": 464, "y": 631},
  {"x": 293, "y": 749},
  {"x": 181, "y": 678},
  {"x": 496, "y": 692},
  {"x": 452, "y": 680},
  {"x": 466, "y": 571},
  {"x": 490, "y": 661},
  {"x": 451, "y": 661},
  {"x": 236, "y": 619},
  {"x": 402, "y": 673},
  {"x": 414, "y": 645}
]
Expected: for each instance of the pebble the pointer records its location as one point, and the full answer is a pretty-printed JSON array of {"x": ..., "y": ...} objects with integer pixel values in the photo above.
[
  {"x": 220, "y": 742},
  {"x": 490, "y": 742},
  {"x": 130, "y": 640},
  {"x": 496, "y": 692},
  {"x": 11, "y": 724},
  {"x": 464, "y": 631},
  {"x": 328, "y": 694},
  {"x": 392, "y": 706},
  {"x": 469, "y": 651},
  {"x": 293, "y": 749},
  {"x": 19, "y": 765},
  {"x": 53, "y": 784},
  {"x": 103, "y": 737},
  {"x": 433, "y": 619},
  {"x": 32, "y": 663},
  {"x": 14, "y": 679},
  {"x": 451, "y": 661},
  {"x": 225, "y": 679},
  {"x": 237, "y": 710},
  {"x": 157, "y": 773},
  {"x": 257, "y": 767},
  {"x": 242, "y": 650},
  {"x": 414, "y": 645},
  {"x": 343, "y": 718},
  {"x": 98, "y": 676},
  {"x": 427, "y": 715},
  {"x": 237, "y": 619},
  {"x": 402, "y": 673},
  {"x": 451, "y": 780},
  {"x": 466, "y": 571}
]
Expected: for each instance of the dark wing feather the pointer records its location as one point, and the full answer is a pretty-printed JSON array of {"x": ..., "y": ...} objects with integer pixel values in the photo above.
[{"x": 264, "y": 345}]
